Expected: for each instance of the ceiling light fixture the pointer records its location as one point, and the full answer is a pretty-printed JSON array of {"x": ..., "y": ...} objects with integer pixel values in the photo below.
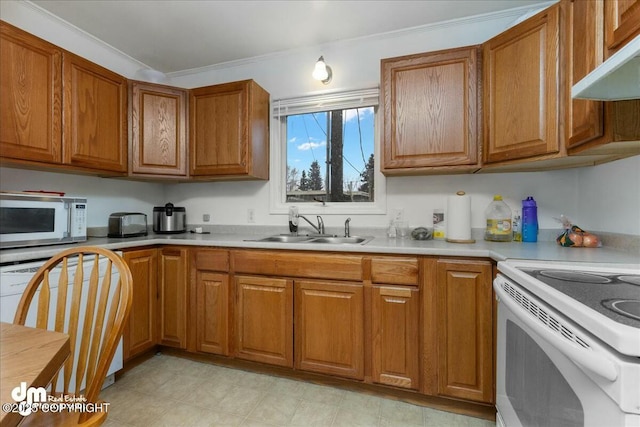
[{"x": 322, "y": 71}]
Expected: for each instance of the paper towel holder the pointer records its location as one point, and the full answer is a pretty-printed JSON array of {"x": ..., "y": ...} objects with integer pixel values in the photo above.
[{"x": 460, "y": 193}]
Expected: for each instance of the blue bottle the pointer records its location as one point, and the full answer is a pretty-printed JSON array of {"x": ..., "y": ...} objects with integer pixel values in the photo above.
[{"x": 529, "y": 220}]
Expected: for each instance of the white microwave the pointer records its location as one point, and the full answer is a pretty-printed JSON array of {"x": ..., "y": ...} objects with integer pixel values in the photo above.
[{"x": 33, "y": 219}]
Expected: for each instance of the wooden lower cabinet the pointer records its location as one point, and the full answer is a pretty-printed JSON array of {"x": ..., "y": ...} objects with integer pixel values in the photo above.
[
  {"x": 212, "y": 311},
  {"x": 140, "y": 332},
  {"x": 464, "y": 325},
  {"x": 264, "y": 319},
  {"x": 395, "y": 336},
  {"x": 329, "y": 333},
  {"x": 173, "y": 271}
]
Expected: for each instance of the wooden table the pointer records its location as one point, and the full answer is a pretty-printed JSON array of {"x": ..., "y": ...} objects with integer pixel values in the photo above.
[{"x": 30, "y": 355}]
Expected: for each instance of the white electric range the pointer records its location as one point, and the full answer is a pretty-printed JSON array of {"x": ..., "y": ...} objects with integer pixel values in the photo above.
[{"x": 568, "y": 344}]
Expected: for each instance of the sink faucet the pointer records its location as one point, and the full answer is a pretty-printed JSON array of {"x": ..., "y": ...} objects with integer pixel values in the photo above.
[
  {"x": 319, "y": 228},
  {"x": 347, "y": 233}
]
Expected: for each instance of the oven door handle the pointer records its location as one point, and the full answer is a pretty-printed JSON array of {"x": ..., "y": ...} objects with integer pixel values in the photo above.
[{"x": 587, "y": 358}]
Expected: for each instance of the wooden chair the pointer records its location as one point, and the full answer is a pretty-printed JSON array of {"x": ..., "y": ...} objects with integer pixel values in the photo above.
[{"x": 106, "y": 308}]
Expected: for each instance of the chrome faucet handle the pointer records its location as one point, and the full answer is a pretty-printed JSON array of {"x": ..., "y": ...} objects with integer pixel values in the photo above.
[
  {"x": 347, "y": 233},
  {"x": 320, "y": 225}
]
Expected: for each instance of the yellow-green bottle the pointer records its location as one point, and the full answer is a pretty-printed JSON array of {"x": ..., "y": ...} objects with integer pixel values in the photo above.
[{"x": 498, "y": 216}]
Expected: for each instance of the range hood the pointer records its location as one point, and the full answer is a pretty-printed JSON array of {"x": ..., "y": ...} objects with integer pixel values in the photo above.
[{"x": 617, "y": 78}]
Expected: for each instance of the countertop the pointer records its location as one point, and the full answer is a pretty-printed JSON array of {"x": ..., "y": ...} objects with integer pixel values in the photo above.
[{"x": 498, "y": 251}]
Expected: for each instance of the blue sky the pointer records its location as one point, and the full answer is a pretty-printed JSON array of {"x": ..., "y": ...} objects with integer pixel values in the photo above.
[{"x": 307, "y": 141}]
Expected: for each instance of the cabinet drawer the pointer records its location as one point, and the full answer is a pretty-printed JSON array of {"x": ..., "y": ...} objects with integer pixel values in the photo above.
[
  {"x": 395, "y": 271},
  {"x": 212, "y": 260},
  {"x": 293, "y": 264}
]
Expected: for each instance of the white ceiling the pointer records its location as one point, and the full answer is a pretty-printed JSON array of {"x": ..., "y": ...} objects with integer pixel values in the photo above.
[{"x": 176, "y": 35}]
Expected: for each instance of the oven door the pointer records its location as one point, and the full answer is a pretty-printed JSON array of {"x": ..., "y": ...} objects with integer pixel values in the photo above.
[{"x": 541, "y": 363}]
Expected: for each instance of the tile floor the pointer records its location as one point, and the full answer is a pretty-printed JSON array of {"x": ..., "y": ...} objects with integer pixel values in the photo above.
[{"x": 171, "y": 391}]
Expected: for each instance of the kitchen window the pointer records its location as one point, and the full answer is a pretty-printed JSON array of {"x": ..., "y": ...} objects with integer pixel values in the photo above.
[{"x": 326, "y": 154}]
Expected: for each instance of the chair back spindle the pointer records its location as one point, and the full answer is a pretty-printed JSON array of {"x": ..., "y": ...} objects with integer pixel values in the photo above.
[{"x": 93, "y": 314}]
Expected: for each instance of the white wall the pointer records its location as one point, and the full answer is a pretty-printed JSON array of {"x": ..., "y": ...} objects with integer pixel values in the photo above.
[
  {"x": 602, "y": 198},
  {"x": 609, "y": 196},
  {"x": 104, "y": 195}
]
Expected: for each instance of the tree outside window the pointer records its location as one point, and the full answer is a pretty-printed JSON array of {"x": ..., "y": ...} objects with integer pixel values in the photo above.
[{"x": 330, "y": 156}]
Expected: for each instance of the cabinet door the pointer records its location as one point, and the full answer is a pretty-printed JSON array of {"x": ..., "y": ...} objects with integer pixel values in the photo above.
[
  {"x": 622, "y": 22},
  {"x": 158, "y": 130},
  {"x": 212, "y": 327},
  {"x": 173, "y": 297},
  {"x": 229, "y": 131},
  {"x": 521, "y": 86},
  {"x": 30, "y": 97},
  {"x": 395, "y": 320},
  {"x": 95, "y": 116},
  {"x": 465, "y": 330},
  {"x": 329, "y": 328},
  {"x": 584, "y": 51},
  {"x": 431, "y": 110},
  {"x": 264, "y": 320},
  {"x": 140, "y": 331}
]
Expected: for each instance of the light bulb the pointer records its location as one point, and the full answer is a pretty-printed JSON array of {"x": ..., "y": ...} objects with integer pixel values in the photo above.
[{"x": 320, "y": 71}]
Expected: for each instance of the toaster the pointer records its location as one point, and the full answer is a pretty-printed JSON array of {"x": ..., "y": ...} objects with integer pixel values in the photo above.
[{"x": 127, "y": 224}]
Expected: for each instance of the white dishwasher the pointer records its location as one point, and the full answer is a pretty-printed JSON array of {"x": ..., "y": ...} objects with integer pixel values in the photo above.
[{"x": 14, "y": 280}]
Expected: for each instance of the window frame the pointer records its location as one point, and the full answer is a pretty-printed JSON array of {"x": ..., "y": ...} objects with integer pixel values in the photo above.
[{"x": 278, "y": 162}]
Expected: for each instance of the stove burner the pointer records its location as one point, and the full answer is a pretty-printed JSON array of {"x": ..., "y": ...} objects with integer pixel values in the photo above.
[
  {"x": 626, "y": 307},
  {"x": 632, "y": 280},
  {"x": 574, "y": 276}
]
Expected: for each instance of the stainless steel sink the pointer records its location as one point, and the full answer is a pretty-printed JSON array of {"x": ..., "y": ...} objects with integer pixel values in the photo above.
[
  {"x": 336, "y": 240},
  {"x": 354, "y": 240},
  {"x": 285, "y": 238}
]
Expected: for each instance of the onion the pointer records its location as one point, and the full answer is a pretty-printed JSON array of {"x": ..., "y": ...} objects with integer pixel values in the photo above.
[
  {"x": 590, "y": 240},
  {"x": 576, "y": 238}
]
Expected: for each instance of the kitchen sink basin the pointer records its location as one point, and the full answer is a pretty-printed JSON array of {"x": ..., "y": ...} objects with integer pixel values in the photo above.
[
  {"x": 285, "y": 238},
  {"x": 354, "y": 240},
  {"x": 336, "y": 240}
]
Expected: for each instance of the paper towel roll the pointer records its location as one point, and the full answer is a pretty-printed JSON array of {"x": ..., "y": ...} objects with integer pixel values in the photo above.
[{"x": 459, "y": 218}]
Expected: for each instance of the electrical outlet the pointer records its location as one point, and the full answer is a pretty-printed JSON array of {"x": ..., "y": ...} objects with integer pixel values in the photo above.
[
  {"x": 251, "y": 216},
  {"x": 206, "y": 218},
  {"x": 397, "y": 214}
]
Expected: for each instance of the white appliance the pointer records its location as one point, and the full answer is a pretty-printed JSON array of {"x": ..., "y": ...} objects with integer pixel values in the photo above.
[
  {"x": 14, "y": 280},
  {"x": 30, "y": 219},
  {"x": 568, "y": 344}
]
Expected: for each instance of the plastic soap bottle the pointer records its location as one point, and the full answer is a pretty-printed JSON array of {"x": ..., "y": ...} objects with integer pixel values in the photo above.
[
  {"x": 498, "y": 215},
  {"x": 529, "y": 220},
  {"x": 517, "y": 226}
]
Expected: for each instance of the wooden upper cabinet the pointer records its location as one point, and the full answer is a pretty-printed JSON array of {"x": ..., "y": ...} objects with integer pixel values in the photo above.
[
  {"x": 30, "y": 97},
  {"x": 622, "y": 22},
  {"x": 229, "y": 131},
  {"x": 584, "y": 51},
  {"x": 592, "y": 126},
  {"x": 94, "y": 116},
  {"x": 521, "y": 89},
  {"x": 158, "y": 145},
  {"x": 432, "y": 112}
]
